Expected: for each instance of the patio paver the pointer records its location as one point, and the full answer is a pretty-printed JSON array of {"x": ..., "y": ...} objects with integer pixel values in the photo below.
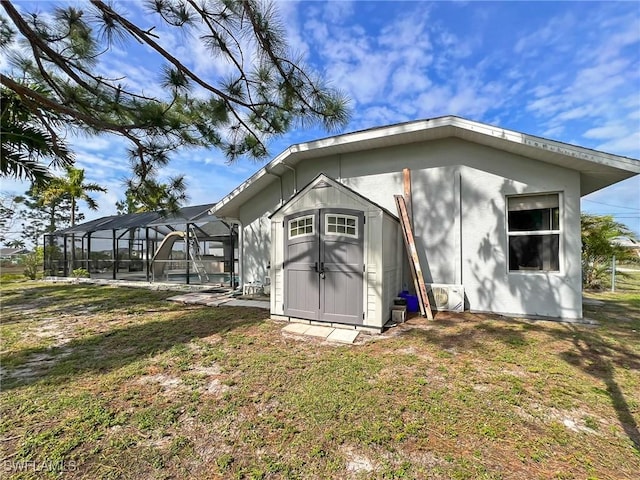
[
  {"x": 296, "y": 328},
  {"x": 317, "y": 331},
  {"x": 343, "y": 336}
]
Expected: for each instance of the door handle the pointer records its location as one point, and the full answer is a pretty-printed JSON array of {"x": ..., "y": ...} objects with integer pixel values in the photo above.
[
  {"x": 315, "y": 267},
  {"x": 322, "y": 270}
]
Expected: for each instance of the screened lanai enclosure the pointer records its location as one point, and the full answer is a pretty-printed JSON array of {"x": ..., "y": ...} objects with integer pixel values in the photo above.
[{"x": 190, "y": 246}]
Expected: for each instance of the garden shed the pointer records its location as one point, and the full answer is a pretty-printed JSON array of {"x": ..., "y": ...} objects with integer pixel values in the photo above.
[{"x": 334, "y": 257}]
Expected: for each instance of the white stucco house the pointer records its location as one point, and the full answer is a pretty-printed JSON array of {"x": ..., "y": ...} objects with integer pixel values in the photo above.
[{"x": 495, "y": 213}]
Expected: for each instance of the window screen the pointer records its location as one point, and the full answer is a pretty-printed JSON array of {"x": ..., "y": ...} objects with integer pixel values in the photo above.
[{"x": 533, "y": 228}]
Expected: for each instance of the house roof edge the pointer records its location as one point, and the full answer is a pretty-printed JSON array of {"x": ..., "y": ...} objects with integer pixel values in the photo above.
[{"x": 451, "y": 126}]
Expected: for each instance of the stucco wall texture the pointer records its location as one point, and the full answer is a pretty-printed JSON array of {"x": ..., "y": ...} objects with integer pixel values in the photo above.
[{"x": 459, "y": 192}]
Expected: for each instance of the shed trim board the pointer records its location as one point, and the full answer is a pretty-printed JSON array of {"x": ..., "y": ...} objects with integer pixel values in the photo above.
[
  {"x": 465, "y": 178},
  {"x": 328, "y": 257}
]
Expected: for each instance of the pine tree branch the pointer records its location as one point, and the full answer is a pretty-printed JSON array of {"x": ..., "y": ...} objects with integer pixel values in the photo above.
[
  {"x": 54, "y": 106},
  {"x": 276, "y": 60},
  {"x": 36, "y": 41},
  {"x": 146, "y": 38},
  {"x": 232, "y": 102},
  {"x": 259, "y": 100}
]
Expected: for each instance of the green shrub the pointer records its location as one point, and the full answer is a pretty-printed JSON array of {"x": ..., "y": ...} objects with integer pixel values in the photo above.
[
  {"x": 33, "y": 263},
  {"x": 80, "y": 273}
]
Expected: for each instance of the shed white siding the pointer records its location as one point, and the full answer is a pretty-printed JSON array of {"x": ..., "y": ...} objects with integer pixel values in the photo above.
[
  {"x": 392, "y": 262},
  {"x": 383, "y": 269}
]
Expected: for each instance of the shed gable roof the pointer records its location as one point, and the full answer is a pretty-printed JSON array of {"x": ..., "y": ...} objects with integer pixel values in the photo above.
[
  {"x": 323, "y": 180},
  {"x": 597, "y": 169}
]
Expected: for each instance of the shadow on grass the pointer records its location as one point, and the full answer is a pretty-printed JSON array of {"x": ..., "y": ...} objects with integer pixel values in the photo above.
[
  {"x": 598, "y": 358},
  {"x": 591, "y": 351},
  {"x": 56, "y": 300},
  {"x": 119, "y": 347}
]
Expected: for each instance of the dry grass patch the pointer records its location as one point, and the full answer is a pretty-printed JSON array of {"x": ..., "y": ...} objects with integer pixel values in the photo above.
[{"x": 133, "y": 386}]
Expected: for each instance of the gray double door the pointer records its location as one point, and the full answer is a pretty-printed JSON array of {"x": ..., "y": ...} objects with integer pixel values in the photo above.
[{"x": 324, "y": 265}]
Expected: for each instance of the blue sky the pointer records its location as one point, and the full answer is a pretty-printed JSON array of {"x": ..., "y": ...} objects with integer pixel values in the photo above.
[{"x": 569, "y": 71}]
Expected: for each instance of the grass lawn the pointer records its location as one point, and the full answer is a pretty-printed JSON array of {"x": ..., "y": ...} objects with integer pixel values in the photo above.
[{"x": 102, "y": 382}]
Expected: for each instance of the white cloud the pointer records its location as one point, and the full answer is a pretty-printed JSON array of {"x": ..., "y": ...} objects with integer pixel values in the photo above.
[
  {"x": 554, "y": 132},
  {"x": 551, "y": 35},
  {"x": 405, "y": 79},
  {"x": 599, "y": 78},
  {"x": 606, "y": 131},
  {"x": 381, "y": 115},
  {"x": 319, "y": 30},
  {"x": 634, "y": 114},
  {"x": 627, "y": 144},
  {"x": 575, "y": 113},
  {"x": 407, "y": 32},
  {"x": 13, "y": 186},
  {"x": 370, "y": 65},
  {"x": 289, "y": 10},
  {"x": 547, "y": 105},
  {"x": 338, "y": 12},
  {"x": 100, "y": 168}
]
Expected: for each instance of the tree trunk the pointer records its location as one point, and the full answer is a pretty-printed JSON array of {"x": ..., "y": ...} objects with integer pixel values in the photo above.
[{"x": 73, "y": 237}]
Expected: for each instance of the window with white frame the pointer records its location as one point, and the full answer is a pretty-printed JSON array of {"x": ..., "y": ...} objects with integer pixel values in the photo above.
[
  {"x": 301, "y": 226},
  {"x": 533, "y": 229},
  {"x": 341, "y": 225}
]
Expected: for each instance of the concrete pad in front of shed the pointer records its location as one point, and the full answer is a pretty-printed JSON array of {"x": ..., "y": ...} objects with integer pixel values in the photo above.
[
  {"x": 329, "y": 334},
  {"x": 317, "y": 331},
  {"x": 343, "y": 336},
  {"x": 296, "y": 328}
]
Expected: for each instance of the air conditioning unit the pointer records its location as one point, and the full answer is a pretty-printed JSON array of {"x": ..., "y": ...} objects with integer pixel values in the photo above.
[{"x": 446, "y": 297}]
